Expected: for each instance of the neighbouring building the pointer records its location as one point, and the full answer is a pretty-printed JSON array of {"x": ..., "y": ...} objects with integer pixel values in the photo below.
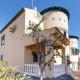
[
  {"x": 18, "y": 48},
  {"x": 74, "y": 52}
]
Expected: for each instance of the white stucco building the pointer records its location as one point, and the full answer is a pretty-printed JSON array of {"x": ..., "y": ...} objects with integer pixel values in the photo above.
[
  {"x": 74, "y": 52},
  {"x": 18, "y": 48},
  {"x": 57, "y": 18}
]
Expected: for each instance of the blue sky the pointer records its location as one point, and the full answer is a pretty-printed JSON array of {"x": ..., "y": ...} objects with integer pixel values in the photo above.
[{"x": 8, "y": 8}]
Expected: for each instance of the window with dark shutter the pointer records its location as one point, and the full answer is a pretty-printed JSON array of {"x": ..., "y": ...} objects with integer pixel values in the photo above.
[
  {"x": 1, "y": 57},
  {"x": 72, "y": 50},
  {"x": 2, "y": 39},
  {"x": 75, "y": 51}
]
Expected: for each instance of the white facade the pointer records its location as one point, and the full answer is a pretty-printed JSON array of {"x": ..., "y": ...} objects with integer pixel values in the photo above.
[
  {"x": 32, "y": 16},
  {"x": 15, "y": 46},
  {"x": 60, "y": 20},
  {"x": 56, "y": 19},
  {"x": 74, "y": 42},
  {"x": 14, "y": 43},
  {"x": 74, "y": 52}
]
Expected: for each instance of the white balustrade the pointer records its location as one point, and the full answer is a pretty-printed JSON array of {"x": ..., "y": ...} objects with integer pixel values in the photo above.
[{"x": 32, "y": 70}]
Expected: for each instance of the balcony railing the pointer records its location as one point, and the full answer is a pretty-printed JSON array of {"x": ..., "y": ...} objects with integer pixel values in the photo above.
[{"x": 34, "y": 70}]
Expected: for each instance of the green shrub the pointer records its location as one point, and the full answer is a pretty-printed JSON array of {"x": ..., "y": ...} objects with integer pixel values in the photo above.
[{"x": 8, "y": 72}]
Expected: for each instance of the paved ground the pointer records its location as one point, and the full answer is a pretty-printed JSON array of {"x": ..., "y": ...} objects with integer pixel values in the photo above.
[
  {"x": 77, "y": 75},
  {"x": 63, "y": 77}
]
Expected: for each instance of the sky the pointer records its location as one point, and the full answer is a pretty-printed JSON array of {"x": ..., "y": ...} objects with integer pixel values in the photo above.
[{"x": 8, "y": 9}]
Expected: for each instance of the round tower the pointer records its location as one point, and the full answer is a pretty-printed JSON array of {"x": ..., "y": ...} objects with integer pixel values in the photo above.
[
  {"x": 74, "y": 51},
  {"x": 56, "y": 17}
]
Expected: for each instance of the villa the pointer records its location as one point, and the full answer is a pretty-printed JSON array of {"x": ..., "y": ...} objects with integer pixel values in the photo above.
[
  {"x": 18, "y": 48},
  {"x": 74, "y": 52}
]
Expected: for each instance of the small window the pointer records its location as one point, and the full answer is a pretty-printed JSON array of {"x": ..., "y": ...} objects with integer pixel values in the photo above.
[
  {"x": 72, "y": 50},
  {"x": 53, "y": 18},
  {"x": 2, "y": 39},
  {"x": 1, "y": 57},
  {"x": 75, "y": 51},
  {"x": 59, "y": 19}
]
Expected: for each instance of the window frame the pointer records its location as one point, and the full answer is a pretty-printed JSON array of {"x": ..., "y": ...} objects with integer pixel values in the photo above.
[{"x": 2, "y": 39}]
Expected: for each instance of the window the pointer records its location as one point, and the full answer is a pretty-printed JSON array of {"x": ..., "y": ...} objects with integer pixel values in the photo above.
[
  {"x": 59, "y": 19},
  {"x": 75, "y": 51},
  {"x": 72, "y": 50},
  {"x": 1, "y": 57},
  {"x": 36, "y": 56},
  {"x": 53, "y": 18},
  {"x": 2, "y": 39}
]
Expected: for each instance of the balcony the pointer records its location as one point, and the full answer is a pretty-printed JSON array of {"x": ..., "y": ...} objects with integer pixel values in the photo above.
[{"x": 59, "y": 70}]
